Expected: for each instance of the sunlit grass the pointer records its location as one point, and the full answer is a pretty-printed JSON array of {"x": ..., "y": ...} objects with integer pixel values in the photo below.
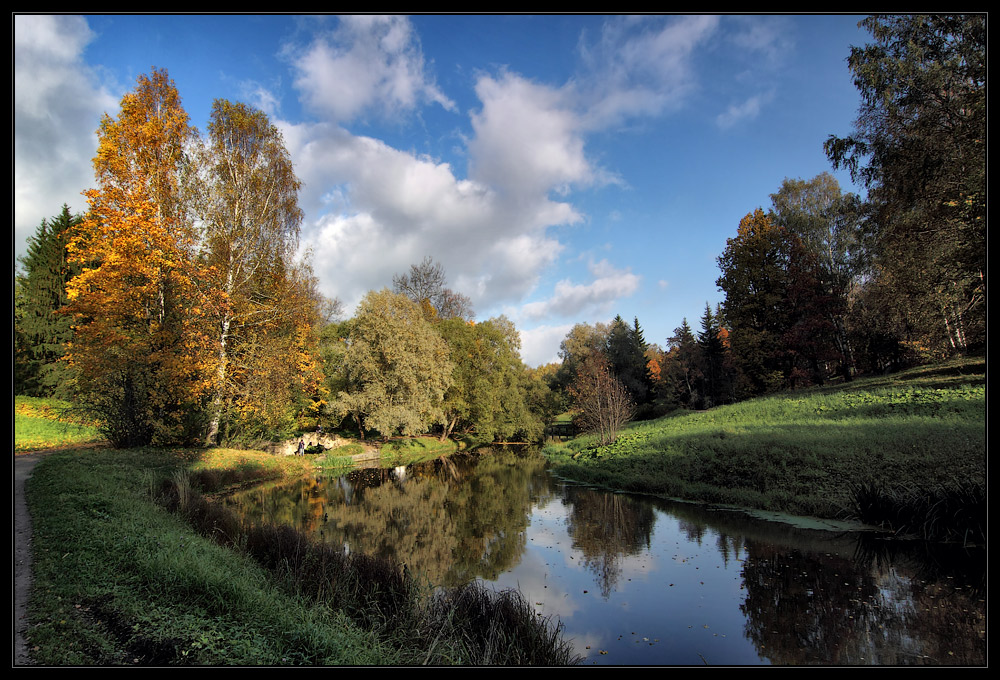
[
  {"x": 48, "y": 423},
  {"x": 806, "y": 452}
]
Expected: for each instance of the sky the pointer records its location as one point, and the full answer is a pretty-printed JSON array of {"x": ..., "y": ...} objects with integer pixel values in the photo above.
[{"x": 562, "y": 169}]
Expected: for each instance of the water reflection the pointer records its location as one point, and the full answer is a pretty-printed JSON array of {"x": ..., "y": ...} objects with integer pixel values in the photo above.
[{"x": 637, "y": 580}]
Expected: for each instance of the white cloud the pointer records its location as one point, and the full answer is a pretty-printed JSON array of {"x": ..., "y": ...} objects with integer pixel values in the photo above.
[
  {"x": 57, "y": 107},
  {"x": 570, "y": 299},
  {"x": 746, "y": 110},
  {"x": 540, "y": 345},
  {"x": 641, "y": 66},
  {"x": 379, "y": 210},
  {"x": 528, "y": 140},
  {"x": 368, "y": 63}
]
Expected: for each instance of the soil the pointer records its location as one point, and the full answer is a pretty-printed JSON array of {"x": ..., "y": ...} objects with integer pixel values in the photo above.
[{"x": 23, "y": 466}]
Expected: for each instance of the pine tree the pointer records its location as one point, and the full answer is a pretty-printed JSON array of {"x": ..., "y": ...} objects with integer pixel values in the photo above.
[
  {"x": 682, "y": 374},
  {"x": 626, "y": 352},
  {"x": 713, "y": 357},
  {"x": 41, "y": 331}
]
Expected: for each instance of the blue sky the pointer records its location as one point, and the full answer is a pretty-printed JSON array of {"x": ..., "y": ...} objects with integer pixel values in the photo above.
[{"x": 562, "y": 169}]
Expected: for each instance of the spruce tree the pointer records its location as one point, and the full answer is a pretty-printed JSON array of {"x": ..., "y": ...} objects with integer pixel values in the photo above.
[{"x": 41, "y": 331}]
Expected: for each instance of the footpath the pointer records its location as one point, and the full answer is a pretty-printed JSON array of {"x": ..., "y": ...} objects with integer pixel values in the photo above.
[{"x": 23, "y": 466}]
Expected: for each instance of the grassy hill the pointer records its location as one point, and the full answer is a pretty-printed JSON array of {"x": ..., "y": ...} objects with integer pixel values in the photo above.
[{"x": 906, "y": 451}]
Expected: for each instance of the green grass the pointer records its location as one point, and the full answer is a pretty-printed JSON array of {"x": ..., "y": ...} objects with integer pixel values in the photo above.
[
  {"x": 120, "y": 580},
  {"x": 807, "y": 452},
  {"x": 415, "y": 449},
  {"x": 133, "y": 565},
  {"x": 48, "y": 423}
]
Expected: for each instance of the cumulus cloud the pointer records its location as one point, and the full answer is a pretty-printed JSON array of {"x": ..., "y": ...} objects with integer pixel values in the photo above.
[
  {"x": 540, "y": 345},
  {"x": 379, "y": 209},
  {"x": 58, "y": 103},
  {"x": 528, "y": 140},
  {"x": 368, "y": 63}
]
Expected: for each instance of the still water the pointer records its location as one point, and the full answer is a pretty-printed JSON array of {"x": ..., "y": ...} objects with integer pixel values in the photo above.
[{"x": 643, "y": 581}]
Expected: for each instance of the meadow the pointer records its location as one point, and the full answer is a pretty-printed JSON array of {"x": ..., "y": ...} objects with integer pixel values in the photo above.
[{"x": 906, "y": 452}]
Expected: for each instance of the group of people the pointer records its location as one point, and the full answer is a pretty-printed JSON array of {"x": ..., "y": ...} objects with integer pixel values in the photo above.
[{"x": 301, "y": 450}]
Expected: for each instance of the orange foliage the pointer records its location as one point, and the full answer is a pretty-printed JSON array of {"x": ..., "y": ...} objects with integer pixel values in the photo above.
[{"x": 138, "y": 304}]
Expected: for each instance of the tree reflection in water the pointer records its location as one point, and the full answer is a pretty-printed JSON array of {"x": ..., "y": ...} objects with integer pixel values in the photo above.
[{"x": 798, "y": 596}]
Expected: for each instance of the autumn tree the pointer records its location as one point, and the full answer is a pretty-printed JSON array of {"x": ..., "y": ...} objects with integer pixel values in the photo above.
[
  {"x": 754, "y": 280},
  {"x": 919, "y": 148},
  {"x": 778, "y": 310},
  {"x": 247, "y": 198},
  {"x": 138, "y": 305},
  {"x": 42, "y": 333},
  {"x": 427, "y": 285},
  {"x": 396, "y": 367},
  {"x": 274, "y": 378}
]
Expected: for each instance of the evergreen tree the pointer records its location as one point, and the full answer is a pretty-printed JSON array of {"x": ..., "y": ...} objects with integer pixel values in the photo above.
[
  {"x": 713, "y": 358},
  {"x": 681, "y": 373},
  {"x": 41, "y": 332},
  {"x": 626, "y": 352}
]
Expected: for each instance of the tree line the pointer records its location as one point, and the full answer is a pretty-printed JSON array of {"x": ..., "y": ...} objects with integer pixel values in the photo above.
[
  {"x": 823, "y": 285},
  {"x": 176, "y": 310}
]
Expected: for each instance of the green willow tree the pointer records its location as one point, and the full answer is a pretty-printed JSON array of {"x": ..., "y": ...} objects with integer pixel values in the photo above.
[
  {"x": 488, "y": 393},
  {"x": 41, "y": 332},
  {"x": 396, "y": 367},
  {"x": 919, "y": 147}
]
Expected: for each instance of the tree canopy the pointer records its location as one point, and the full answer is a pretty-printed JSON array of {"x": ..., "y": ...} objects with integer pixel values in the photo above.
[
  {"x": 396, "y": 366},
  {"x": 919, "y": 147}
]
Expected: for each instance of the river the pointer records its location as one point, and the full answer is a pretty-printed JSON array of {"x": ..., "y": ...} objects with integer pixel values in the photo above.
[{"x": 636, "y": 580}]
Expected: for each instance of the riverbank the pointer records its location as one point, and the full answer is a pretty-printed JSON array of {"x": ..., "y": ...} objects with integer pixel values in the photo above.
[
  {"x": 132, "y": 567},
  {"x": 906, "y": 451}
]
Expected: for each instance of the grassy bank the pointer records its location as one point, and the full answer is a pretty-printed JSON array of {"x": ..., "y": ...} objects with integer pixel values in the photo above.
[
  {"x": 47, "y": 423},
  {"x": 907, "y": 451},
  {"x": 132, "y": 565}
]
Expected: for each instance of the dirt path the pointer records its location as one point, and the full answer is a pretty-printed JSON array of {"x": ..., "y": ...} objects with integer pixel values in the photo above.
[{"x": 23, "y": 466}]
